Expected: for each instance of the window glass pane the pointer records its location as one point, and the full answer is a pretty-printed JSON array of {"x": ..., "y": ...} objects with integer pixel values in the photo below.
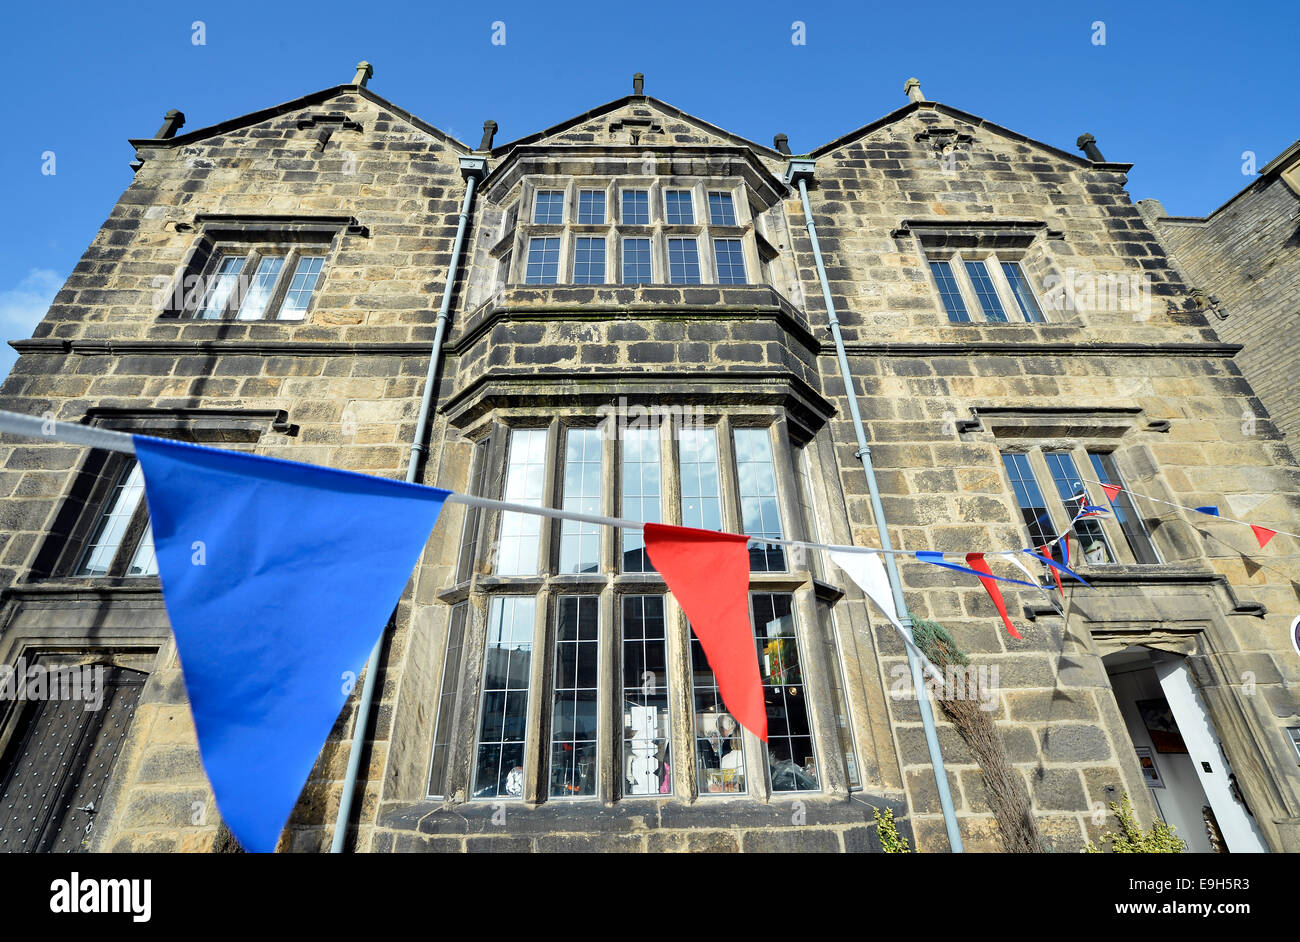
[
  {"x": 636, "y": 207},
  {"x": 985, "y": 292},
  {"x": 647, "y": 732},
  {"x": 543, "y": 261},
  {"x": 224, "y": 282},
  {"x": 499, "y": 760},
  {"x": 792, "y": 763},
  {"x": 701, "y": 503},
  {"x": 589, "y": 261},
  {"x": 259, "y": 292},
  {"x": 548, "y": 208},
  {"x": 113, "y": 522},
  {"x": 949, "y": 292},
  {"x": 144, "y": 562},
  {"x": 758, "y": 503},
  {"x": 721, "y": 210},
  {"x": 1023, "y": 292},
  {"x": 843, "y": 723},
  {"x": 641, "y": 493},
  {"x": 525, "y": 478},
  {"x": 1095, "y": 546},
  {"x": 1032, "y": 506},
  {"x": 731, "y": 262},
  {"x": 804, "y": 478},
  {"x": 678, "y": 208},
  {"x": 1130, "y": 521},
  {"x": 580, "y": 542},
  {"x": 683, "y": 262},
  {"x": 305, "y": 278},
  {"x": 636, "y": 261},
  {"x": 469, "y": 535},
  {"x": 447, "y": 692},
  {"x": 591, "y": 207},
  {"x": 573, "y": 718},
  {"x": 719, "y": 743}
]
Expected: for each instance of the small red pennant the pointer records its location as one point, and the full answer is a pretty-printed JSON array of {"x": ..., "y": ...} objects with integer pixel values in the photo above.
[
  {"x": 1263, "y": 534},
  {"x": 976, "y": 562},
  {"x": 708, "y": 573},
  {"x": 1045, "y": 551},
  {"x": 1112, "y": 491}
]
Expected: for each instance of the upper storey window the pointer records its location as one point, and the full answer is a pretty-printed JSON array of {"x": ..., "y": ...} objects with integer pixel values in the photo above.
[
  {"x": 984, "y": 287},
  {"x": 681, "y": 232}
]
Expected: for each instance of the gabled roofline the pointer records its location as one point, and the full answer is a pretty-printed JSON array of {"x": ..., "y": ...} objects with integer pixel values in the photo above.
[
  {"x": 619, "y": 103},
  {"x": 969, "y": 118},
  {"x": 276, "y": 110}
]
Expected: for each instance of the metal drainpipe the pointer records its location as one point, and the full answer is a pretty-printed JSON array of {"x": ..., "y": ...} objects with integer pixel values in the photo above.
[
  {"x": 802, "y": 171},
  {"x": 471, "y": 168}
]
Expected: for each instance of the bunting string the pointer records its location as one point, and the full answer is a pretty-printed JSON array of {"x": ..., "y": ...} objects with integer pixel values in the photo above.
[{"x": 1109, "y": 488}]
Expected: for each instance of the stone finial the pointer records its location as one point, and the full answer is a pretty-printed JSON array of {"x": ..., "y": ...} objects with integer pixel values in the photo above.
[
  {"x": 364, "y": 71},
  {"x": 912, "y": 89},
  {"x": 489, "y": 132},
  {"x": 638, "y": 84},
  {"x": 173, "y": 121},
  {"x": 1088, "y": 144},
  {"x": 782, "y": 144}
]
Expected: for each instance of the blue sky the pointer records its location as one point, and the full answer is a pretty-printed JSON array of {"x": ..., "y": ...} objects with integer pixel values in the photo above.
[{"x": 1181, "y": 89}]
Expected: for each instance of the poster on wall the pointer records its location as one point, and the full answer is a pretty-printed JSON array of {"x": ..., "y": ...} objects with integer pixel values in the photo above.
[
  {"x": 1159, "y": 721},
  {"x": 1149, "y": 771}
]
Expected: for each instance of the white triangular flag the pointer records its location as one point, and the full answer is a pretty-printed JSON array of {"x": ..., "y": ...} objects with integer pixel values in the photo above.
[{"x": 867, "y": 570}]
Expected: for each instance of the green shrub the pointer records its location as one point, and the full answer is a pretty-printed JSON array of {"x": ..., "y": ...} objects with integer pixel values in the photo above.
[
  {"x": 890, "y": 839},
  {"x": 1131, "y": 839}
]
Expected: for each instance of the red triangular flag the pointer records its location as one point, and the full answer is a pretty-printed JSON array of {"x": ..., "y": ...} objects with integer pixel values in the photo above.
[
  {"x": 1112, "y": 491},
  {"x": 1263, "y": 534},
  {"x": 708, "y": 573},
  {"x": 1046, "y": 551},
  {"x": 976, "y": 561}
]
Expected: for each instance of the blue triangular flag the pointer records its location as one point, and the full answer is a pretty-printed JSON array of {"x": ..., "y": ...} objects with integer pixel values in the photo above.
[
  {"x": 936, "y": 558},
  {"x": 1057, "y": 566},
  {"x": 1210, "y": 509},
  {"x": 278, "y": 579}
]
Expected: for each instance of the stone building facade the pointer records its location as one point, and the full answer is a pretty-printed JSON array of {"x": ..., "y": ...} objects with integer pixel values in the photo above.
[
  {"x": 1244, "y": 261},
  {"x": 1014, "y": 329}
]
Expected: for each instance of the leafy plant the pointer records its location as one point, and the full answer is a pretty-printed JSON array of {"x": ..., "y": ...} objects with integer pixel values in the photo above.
[
  {"x": 890, "y": 839},
  {"x": 1132, "y": 839}
]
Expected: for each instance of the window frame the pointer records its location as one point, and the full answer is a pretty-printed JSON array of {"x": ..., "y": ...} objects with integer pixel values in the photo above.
[
  {"x": 515, "y": 249},
  {"x": 610, "y": 587},
  {"x": 253, "y": 254},
  {"x": 970, "y": 296}
]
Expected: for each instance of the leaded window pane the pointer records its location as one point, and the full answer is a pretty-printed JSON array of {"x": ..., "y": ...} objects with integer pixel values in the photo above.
[
  {"x": 636, "y": 207},
  {"x": 224, "y": 283},
  {"x": 1024, "y": 293},
  {"x": 985, "y": 291},
  {"x": 548, "y": 208},
  {"x": 641, "y": 493},
  {"x": 698, "y": 460},
  {"x": 722, "y": 212},
  {"x": 589, "y": 261},
  {"x": 647, "y": 730},
  {"x": 636, "y": 261},
  {"x": 259, "y": 292},
  {"x": 1126, "y": 514},
  {"x": 792, "y": 762},
  {"x": 543, "y": 261},
  {"x": 679, "y": 210},
  {"x": 949, "y": 293},
  {"x": 580, "y": 542},
  {"x": 525, "y": 478},
  {"x": 759, "y": 511},
  {"x": 574, "y": 740},
  {"x": 500, "y": 760},
  {"x": 731, "y": 261},
  {"x": 719, "y": 742},
  {"x": 305, "y": 278},
  {"x": 447, "y": 692},
  {"x": 1033, "y": 508},
  {"x": 591, "y": 207},
  {"x": 683, "y": 262},
  {"x": 113, "y": 522},
  {"x": 1095, "y": 547}
]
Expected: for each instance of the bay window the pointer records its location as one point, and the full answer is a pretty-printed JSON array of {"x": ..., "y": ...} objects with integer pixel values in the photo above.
[{"x": 620, "y": 664}]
